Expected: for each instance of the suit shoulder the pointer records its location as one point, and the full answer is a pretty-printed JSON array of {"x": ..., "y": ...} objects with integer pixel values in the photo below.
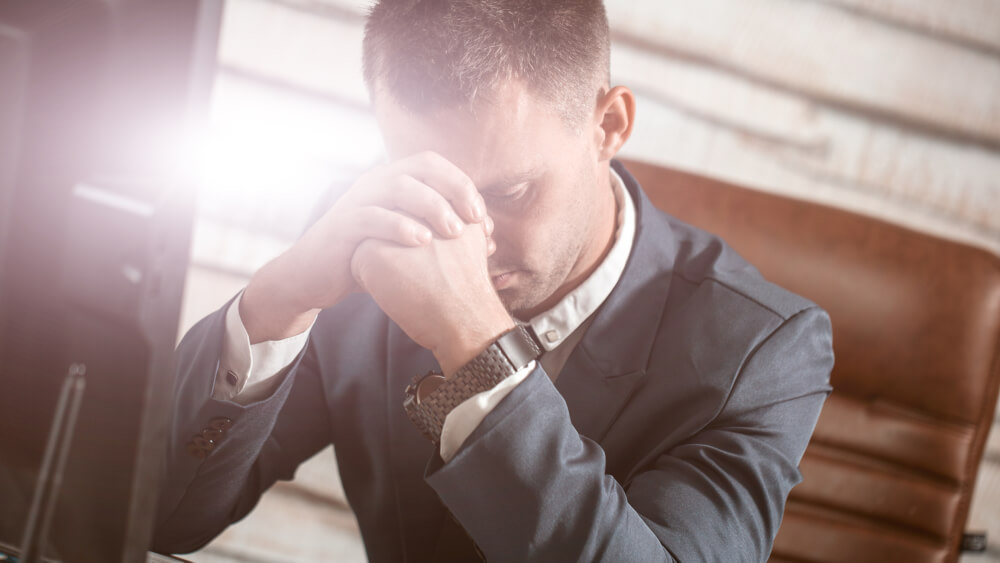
[{"x": 705, "y": 262}]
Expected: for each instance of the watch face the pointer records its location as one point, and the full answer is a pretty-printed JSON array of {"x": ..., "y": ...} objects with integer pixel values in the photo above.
[{"x": 428, "y": 385}]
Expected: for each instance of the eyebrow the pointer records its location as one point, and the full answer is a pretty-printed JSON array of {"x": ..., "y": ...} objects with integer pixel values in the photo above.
[{"x": 512, "y": 180}]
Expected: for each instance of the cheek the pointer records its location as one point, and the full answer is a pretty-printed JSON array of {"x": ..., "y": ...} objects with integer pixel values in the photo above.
[
  {"x": 541, "y": 230},
  {"x": 553, "y": 236},
  {"x": 514, "y": 236},
  {"x": 523, "y": 241}
]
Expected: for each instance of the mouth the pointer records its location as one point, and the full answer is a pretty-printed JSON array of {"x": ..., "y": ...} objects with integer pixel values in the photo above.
[{"x": 504, "y": 280}]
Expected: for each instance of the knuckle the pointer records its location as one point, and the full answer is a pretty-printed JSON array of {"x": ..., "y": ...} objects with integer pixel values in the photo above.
[
  {"x": 428, "y": 199},
  {"x": 400, "y": 180},
  {"x": 429, "y": 157}
]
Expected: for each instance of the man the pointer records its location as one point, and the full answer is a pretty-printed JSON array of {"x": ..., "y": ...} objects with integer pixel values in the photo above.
[{"x": 602, "y": 381}]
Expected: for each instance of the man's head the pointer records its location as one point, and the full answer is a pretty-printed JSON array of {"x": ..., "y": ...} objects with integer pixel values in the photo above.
[
  {"x": 533, "y": 126},
  {"x": 430, "y": 54}
]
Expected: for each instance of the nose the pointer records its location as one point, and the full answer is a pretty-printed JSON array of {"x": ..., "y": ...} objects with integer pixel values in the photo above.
[
  {"x": 498, "y": 227},
  {"x": 500, "y": 230}
]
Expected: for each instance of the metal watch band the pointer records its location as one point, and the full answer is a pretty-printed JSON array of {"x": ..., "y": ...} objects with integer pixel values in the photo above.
[{"x": 501, "y": 359}]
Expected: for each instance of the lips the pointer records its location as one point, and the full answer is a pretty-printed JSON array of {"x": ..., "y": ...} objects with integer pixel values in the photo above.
[{"x": 503, "y": 280}]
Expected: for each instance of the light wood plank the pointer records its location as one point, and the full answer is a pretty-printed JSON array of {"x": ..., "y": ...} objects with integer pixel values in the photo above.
[
  {"x": 673, "y": 137},
  {"x": 297, "y": 47},
  {"x": 829, "y": 54},
  {"x": 974, "y": 21},
  {"x": 718, "y": 96},
  {"x": 764, "y": 136}
]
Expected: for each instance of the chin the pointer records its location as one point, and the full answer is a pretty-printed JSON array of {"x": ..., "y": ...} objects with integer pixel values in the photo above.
[
  {"x": 518, "y": 303},
  {"x": 510, "y": 301}
]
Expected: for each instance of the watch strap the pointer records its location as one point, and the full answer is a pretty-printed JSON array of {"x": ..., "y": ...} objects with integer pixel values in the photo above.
[
  {"x": 501, "y": 359},
  {"x": 520, "y": 346}
]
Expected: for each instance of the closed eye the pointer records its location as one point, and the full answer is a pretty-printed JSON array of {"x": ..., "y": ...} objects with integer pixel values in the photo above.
[{"x": 507, "y": 196}]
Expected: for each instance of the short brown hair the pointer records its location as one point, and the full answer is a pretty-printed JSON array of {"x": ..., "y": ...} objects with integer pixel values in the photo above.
[{"x": 439, "y": 53}]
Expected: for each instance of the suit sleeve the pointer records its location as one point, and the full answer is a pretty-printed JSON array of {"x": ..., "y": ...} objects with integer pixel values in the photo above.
[
  {"x": 247, "y": 373},
  {"x": 221, "y": 456},
  {"x": 528, "y": 487}
]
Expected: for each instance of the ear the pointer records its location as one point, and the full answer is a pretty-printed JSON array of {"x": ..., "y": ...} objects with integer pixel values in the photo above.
[{"x": 613, "y": 119}]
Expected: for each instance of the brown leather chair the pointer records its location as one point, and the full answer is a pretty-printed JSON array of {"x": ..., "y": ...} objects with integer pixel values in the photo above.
[{"x": 889, "y": 472}]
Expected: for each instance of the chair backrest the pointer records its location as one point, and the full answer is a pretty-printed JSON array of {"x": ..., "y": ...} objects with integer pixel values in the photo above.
[{"x": 889, "y": 472}]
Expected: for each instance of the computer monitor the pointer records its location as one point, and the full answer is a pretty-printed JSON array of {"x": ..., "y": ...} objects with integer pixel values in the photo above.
[{"x": 94, "y": 237}]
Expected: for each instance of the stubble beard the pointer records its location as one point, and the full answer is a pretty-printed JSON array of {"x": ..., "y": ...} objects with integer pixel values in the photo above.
[
  {"x": 520, "y": 301},
  {"x": 535, "y": 288}
]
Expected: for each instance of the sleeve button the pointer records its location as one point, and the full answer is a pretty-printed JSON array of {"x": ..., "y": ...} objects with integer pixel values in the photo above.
[
  {"x": 203, "y": 443},
  {"x": 221, "y": 423}
]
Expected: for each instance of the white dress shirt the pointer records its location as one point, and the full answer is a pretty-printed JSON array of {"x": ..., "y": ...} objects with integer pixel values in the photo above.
[{"x": 249, "y": 373}]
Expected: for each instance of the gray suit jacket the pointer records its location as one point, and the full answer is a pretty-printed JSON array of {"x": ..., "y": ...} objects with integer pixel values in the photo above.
[{"x": 673, "y": 432}]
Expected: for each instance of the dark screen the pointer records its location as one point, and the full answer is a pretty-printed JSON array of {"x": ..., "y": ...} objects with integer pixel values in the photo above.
[{"x": 94, "y": 237}]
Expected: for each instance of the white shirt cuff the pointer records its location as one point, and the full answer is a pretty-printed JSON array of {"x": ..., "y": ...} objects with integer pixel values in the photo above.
[
  {"x": 249, "y": 373},
  {"x": 464, "y": 418}
]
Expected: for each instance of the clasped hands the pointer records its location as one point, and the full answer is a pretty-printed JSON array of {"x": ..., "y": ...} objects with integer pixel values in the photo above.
[{"x": 415, "y": 235}]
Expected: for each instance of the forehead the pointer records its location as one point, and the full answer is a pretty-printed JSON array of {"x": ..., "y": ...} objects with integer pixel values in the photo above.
[{"x": 512, "y": 131}]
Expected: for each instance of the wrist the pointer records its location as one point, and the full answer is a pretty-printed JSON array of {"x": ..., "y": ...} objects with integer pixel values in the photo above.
[
  {"x": 269, "y": 308},
  {"x": 471, "y": 339},
  {"x": 431, "y": 397}
]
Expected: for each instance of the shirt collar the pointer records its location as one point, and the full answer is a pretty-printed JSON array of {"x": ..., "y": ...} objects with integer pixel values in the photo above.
[{"x": 554, "y": 325}]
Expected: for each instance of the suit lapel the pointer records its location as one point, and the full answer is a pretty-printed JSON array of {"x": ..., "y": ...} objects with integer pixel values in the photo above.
[{"x": 611, "y": 359}]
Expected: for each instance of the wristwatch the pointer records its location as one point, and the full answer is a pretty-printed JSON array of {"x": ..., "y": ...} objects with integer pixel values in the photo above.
[{"x": 430, "y": 397}]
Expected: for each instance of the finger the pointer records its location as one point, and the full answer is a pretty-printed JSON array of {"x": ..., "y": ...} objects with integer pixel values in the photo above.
[
  {"x": 380, "y": 223},
  {"x": 450, "y": 181},
  {"x": 412, "y": 197},
  {"x": 488, "y": 226},
  {"x": 491, "y": 245}
]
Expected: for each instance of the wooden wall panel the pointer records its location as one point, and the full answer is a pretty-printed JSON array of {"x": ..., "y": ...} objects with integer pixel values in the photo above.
[
  {"x": 726, "y": 126},
  {"x": 280, "y": 42},
  {"x": 830, "y": 54},
  {"x": 976, "y": 22}
]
